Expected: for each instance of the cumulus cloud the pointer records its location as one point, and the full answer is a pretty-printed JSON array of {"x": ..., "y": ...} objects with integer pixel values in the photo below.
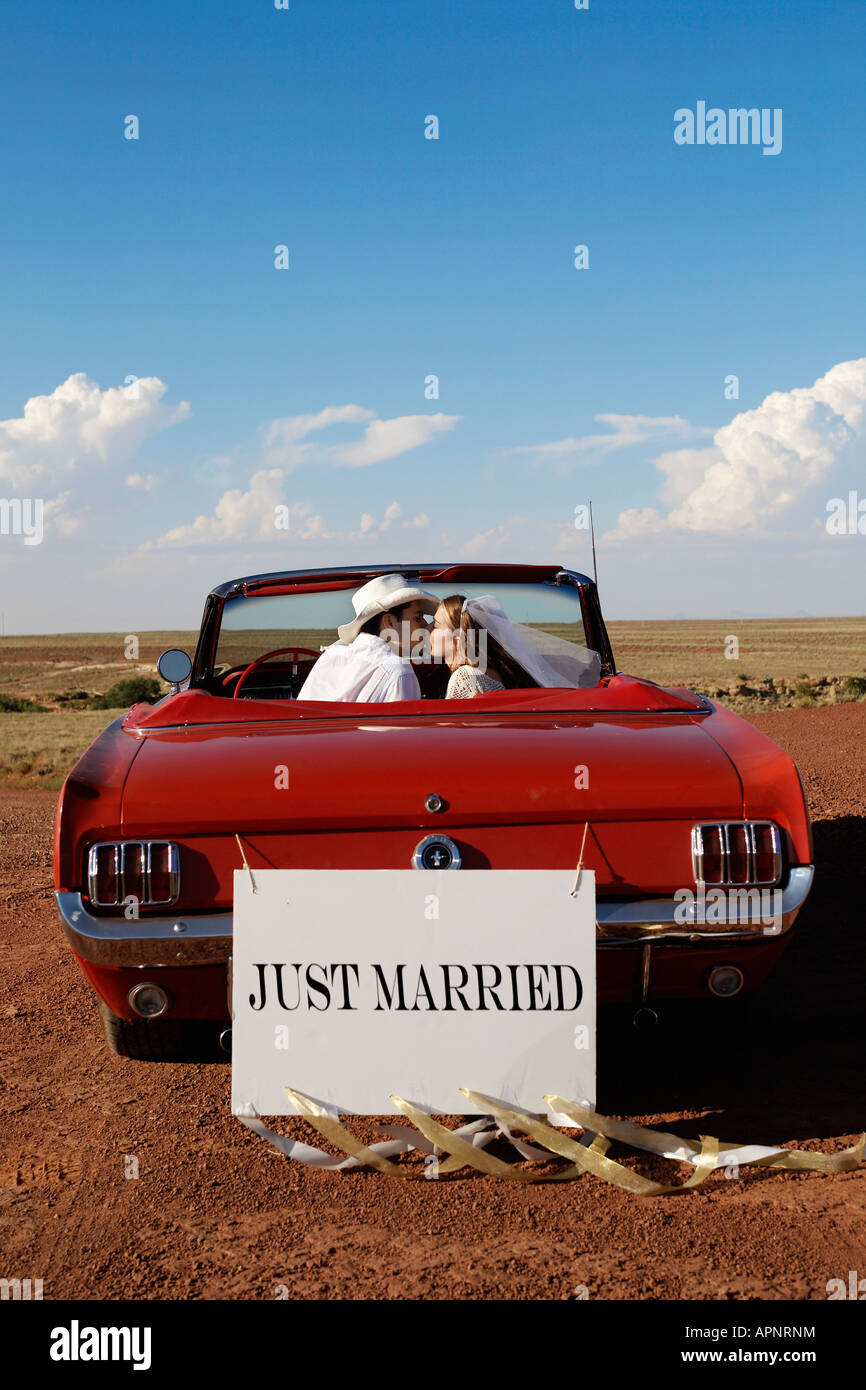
[
  {"x": 60, "y": 518},
  {"x": 260, "y": 513},
  {"x": 393, "y": 514},
  {"x": 63, "y": 439},
  {"x": 625, "y": 431},
  {"x": 485, "y": 543},
  {"x": 760, "y": 464},
  {"x": 286, "y": 443},
  {"x": 142, "y": 482},
  {"x": 249, "y": 514}
]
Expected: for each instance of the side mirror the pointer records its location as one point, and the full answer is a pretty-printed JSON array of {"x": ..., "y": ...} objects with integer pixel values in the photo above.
[{"x": 175, "y": 667}]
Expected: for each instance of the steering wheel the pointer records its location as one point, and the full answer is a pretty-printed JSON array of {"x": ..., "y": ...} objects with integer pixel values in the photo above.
[{"x": 294, "y": 652}]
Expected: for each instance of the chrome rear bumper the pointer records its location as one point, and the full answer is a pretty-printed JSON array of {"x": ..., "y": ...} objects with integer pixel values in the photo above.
[
  {"x": 149, "y": 941},
  {"x": 742, "y": 913},
  {"x": 178, "y": 940}
]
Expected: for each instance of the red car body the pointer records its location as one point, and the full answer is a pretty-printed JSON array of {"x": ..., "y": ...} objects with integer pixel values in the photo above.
[{"x": 198, "y": 770}]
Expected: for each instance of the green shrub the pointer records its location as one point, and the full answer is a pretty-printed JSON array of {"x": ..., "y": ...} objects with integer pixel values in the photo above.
[
  {"x": 804, "y": 695},
  {"x": 128, "y": 692},
  {"x": 13, "y": 704},
  {"x": 854, "y": 688}
]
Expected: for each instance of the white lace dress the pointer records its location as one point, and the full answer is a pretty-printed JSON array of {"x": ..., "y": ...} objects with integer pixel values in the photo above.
[{"x": 467, "y": 681}]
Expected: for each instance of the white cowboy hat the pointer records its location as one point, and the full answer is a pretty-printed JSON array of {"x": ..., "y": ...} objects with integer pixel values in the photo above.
[{"x": 379, "y": 595}]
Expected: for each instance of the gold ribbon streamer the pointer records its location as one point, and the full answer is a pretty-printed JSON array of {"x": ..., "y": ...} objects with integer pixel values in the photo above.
[
  {"x": 464, "y": 1154},
  {"x": 593, "y": 1160},
  {"x": 341, "y": 1138},
  {"x": 590, "y": 1158},
  {"x": 658, "y": 1141}
]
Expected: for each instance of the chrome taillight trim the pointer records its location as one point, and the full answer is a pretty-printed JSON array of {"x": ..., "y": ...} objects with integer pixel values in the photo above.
[
  {"x": 173, "y": 871},
  {"x": 122, "y": 851},
  {"x": 723, "y": 829},
  {"x": 125, "y": 866}
]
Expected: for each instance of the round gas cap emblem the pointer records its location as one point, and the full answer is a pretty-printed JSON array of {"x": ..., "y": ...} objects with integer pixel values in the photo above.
[{"x": 436, "y": 852}]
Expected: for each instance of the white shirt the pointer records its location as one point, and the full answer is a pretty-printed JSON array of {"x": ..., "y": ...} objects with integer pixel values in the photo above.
[{"x": 366, "y": 669}]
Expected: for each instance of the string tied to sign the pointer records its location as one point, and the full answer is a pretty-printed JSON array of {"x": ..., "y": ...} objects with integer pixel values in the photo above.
[{"x": 579, "y": 869}]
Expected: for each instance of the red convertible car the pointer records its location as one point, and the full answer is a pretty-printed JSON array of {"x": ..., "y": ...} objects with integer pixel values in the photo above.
[{"x": 694, "y": 823}]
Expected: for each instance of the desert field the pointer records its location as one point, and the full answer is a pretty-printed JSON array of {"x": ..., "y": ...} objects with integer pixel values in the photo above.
[
  {"x": 132, "y": 1180},
  {"x": 781, "y": 664}
]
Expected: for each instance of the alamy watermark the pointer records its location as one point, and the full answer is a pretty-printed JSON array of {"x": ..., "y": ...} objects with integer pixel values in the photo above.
[
  {"x": 720, "y": 905},
  {"x": 736, "y": 126},
  {"x": 77, "y": 1343},
  {"x": 855, "y": 1288},
  {"x": 21, "y": 1290},
  {"x": 22, "y": 516},
  {"x": 846, "y": 518}
]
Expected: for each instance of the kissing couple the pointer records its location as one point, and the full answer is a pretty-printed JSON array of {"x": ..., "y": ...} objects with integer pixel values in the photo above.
[{"x": 471, "y": 636}]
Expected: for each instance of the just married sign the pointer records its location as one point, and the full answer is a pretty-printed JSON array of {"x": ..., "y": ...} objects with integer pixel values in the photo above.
[{"x": 351, "y": 985}]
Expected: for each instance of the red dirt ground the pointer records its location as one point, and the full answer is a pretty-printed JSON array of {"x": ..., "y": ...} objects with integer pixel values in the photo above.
[{"x": 216, "y": 1214}]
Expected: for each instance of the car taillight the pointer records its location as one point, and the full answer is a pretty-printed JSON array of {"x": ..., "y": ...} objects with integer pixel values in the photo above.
[
  {"x": 739, "y": 868},
  {"x": 146, "y": 870},
  {"x": 768, "y": 852},
  {"x": 709, "y": 854},
  {"x": 133, "y": 865},
  {"x": 162, "y": 860},
  {"x": 103, "y": 873},
  {"x": 737, "y": 852}
]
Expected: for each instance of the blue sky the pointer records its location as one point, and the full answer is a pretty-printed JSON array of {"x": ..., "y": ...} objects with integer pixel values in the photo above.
[{"x": 154, "y": 258}]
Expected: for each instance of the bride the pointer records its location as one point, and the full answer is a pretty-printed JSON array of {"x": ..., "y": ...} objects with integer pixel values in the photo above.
[
  {"x": 484, "y": 651},
  {"x": 458, "y": 639}
]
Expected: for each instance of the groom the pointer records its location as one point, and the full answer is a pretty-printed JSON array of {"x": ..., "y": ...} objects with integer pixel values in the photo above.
[{"x": 370, "y": 661}]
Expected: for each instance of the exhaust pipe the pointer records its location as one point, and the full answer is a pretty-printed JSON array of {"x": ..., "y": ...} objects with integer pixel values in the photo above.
[
  {"x": 645, "y": 1019},
  {"x": 226, "y": 1040}
]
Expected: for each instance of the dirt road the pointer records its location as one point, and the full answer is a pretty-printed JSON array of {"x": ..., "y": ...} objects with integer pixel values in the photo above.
[{"x": 214, "y": 1213}]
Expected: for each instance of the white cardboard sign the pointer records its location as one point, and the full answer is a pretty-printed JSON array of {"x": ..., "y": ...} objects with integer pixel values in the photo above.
[{"x": 353, "y": 985}]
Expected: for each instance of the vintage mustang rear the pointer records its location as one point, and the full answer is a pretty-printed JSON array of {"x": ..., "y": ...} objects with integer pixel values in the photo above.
[{"x": 694, "y": 823}]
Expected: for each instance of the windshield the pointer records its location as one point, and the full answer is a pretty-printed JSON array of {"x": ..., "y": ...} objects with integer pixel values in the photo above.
[
  {"x": 253, "y": 625},
  {"x": 514, "y": 635}
]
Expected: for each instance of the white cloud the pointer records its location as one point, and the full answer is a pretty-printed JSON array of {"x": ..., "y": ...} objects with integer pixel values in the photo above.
[
  {"x": 386, "y": 439},
  {"x": 486, "y": 543},
  {"x": 142, "y": 482},
  {"x": 625, "y": 432},
  {"x": 63, "y": 439},
  {"x": 247, "y": 516},
  {"x": 60, "y": 519},
  {"x": 762, "y": 463},
  {"x": 286, "y": 443},
  {"x": 283, "y": 437},
  {"x": 310, "y": 526},
  {"x": 635, "y": 521},
  {"x": 393, "y": 513}
]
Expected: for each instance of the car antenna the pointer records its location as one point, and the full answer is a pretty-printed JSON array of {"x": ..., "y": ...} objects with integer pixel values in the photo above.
[{"x": 592, "y": 533}]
